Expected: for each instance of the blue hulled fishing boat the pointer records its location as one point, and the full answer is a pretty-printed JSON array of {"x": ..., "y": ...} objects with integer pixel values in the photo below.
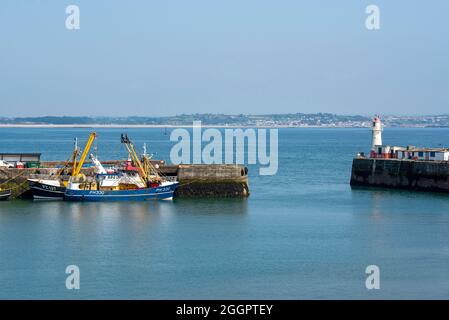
[
  {"x": 161, "y": 192},
  {"x": 138, "y": 180}
]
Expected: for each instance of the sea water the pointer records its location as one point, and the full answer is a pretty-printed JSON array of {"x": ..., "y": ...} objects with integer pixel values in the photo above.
[{"x": 303, "y": 233}]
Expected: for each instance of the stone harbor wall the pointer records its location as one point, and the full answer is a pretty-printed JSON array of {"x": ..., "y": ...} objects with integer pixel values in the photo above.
[
  {"x": 212, "y": 181},
  {"x": 195, "y": 180},
  {"x": 403, "y": 174}
]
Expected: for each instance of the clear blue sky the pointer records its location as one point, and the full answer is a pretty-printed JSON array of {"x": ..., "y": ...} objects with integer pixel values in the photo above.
[{"x": 168, "y": 57}]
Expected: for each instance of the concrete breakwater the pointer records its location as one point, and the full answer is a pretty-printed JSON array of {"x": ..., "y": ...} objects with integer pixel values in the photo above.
[
  {"x": 212, "y": 181},
  {"x": 399, "y": 173},
  {"x": 196, "y": 180}
]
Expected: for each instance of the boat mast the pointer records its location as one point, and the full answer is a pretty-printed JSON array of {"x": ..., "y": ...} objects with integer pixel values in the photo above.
[{"x": 75, "y": 155}]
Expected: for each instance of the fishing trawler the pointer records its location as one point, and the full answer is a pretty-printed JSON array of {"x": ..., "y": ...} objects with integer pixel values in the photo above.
[
  {"x": 43, "y": 189},
  {"x": 53, "y": 189},
  {"x": 141, "y": 182},
  {"x": 46, "y": 189}
]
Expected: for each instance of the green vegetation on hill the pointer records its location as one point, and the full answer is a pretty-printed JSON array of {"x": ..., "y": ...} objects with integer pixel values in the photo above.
[{"x": 291, "y": 119}]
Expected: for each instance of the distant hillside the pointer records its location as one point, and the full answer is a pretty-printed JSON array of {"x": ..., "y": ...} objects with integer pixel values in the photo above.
[{"x": 293, "y": 120}]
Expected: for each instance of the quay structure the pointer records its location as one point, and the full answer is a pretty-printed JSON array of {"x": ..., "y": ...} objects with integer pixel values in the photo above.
[
  {"x": 196, "y": 180},
  {"x": 412, "y": 168}
]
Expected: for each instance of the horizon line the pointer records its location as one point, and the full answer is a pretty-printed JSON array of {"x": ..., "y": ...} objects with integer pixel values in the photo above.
[{"x": 223, "y": 114}]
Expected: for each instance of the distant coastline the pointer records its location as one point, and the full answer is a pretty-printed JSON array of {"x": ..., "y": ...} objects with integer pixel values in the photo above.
[
  {"x": 172, "y": 126},
  {"x": 292, "y": 120},
  {"x": 155, "y": 126}
]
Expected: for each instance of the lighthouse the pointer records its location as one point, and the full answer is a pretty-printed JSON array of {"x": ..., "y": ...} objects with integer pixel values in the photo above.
[{"x": 376, "y": 135}]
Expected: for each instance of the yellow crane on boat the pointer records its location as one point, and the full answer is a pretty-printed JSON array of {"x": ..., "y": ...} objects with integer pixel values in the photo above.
[{"x": 78, "y": 165}]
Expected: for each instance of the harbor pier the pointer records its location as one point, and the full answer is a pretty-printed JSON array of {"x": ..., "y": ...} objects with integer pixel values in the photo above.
[
  {"x": 401, "y": 174},
  {"x": 196, "y": 180},
  {"x": 409, "y": 167}
]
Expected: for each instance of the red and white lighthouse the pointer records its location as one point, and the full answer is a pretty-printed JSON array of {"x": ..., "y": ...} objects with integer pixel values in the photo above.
[{"x": 376, "y": 136}]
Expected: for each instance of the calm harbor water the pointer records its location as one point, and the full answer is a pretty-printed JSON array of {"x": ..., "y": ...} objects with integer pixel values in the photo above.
[{"x": 303, "y": 233}]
